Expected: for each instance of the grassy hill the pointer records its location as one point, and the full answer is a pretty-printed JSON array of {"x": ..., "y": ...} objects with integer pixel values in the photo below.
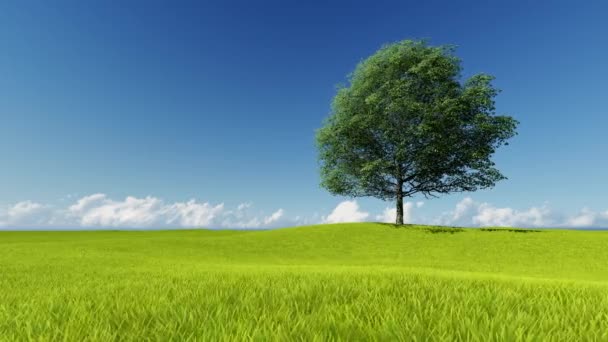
[{"x": 344, "y": 281}]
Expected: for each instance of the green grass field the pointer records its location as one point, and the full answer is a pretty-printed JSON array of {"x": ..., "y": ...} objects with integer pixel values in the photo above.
[{"x": 332, "y": 282}]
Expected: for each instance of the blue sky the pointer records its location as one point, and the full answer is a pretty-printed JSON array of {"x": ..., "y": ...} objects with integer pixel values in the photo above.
[{"x": 219, "y": 102}]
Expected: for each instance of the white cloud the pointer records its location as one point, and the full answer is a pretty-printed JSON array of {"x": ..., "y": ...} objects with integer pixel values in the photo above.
[
  {"x": 100, "y": 211},
  {"x": 468, "y": 212},
  {"x": 388, "y": 215},
  {"x": 589, "y": 218},
  {"x": 26, "y": 213},
  {"x": 274, "y": 217},
  {"x": 346, "y": 211},
  {"x": 463, "y": 208},
  {"x": 243, "y": 206},
  {"x": 488, "y": 215},
  {"x": 242, "y": 217},
  {"x": 191, "y": 214},
  {"x": 23, "y": 209},
  {"x": 86, "y": 202}
]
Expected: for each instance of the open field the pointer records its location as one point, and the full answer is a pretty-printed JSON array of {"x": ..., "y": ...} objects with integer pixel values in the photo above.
[{"x": 341, "y": 282}]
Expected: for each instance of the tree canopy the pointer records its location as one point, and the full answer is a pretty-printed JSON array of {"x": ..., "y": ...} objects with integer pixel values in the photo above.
[{"x": 406, "y": 124}]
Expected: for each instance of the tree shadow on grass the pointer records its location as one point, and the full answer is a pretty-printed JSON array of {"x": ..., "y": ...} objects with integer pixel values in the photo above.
[
  {"x": 399, "y": 226},
  {"x": 428, "y": 229},
  {"x": 441, "y": 230},
  {"x": 510, "y": 230},
  {"x": 453, "y": 229}
]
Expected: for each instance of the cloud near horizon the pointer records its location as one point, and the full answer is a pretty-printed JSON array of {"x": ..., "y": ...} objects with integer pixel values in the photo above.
[
  {"x": 389, "y": 215},
  {"x": 100, "y": 211},
  {"x": 469, "y": 212},
  {"x": 346, "y": 211}
]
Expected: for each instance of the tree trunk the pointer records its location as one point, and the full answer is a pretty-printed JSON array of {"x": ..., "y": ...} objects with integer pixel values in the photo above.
[{"x": 399, "y": 203}]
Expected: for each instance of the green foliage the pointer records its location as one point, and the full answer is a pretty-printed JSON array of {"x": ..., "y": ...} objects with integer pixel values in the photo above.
[
  {"x": 406, "y": 125},
  {"x": 334, "y": 282}
]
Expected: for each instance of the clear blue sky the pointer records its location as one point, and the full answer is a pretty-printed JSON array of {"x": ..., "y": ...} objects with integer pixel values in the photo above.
[{"x": 219, "y": 101}]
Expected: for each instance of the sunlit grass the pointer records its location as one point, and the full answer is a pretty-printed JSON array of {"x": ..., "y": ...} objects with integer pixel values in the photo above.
[{"x": 346, "y": 282}]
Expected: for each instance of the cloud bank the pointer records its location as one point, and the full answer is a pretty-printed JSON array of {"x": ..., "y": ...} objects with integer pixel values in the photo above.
[
  {"x": 471, "y": 213},
  {"x": 98, "y": 211}
]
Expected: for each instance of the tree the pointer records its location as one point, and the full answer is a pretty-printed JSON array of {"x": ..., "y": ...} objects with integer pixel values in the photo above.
[{"x": 406, "y": 125}]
